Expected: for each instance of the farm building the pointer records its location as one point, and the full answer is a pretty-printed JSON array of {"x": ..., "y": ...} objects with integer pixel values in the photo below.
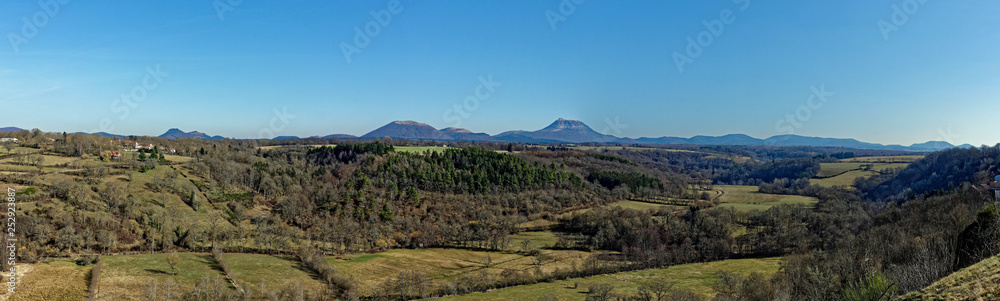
[
  {"x": 995, "y": 186},
  {"x": 6, "y": 140}
]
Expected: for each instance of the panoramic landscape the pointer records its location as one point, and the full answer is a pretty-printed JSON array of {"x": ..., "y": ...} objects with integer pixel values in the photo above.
[{"x": 491, "y": 150}]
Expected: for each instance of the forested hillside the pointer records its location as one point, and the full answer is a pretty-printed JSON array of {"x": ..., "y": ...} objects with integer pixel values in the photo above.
[{"x": 567, "y": 211}]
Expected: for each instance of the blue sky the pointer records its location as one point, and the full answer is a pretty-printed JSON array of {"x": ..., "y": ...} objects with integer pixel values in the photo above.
[{"x": 611, "y": 64}]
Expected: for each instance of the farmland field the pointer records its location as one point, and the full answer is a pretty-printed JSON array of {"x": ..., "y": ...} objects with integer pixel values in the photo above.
[
  {"x": 696, "y": 277},
  {"x": 640, "y": 205},
  {"x": 275, "y": 272},
  {"x": 123, "y": 276},
  {"x": 371, "y": 270},
  {"x": 832, "y": 169},
  {"x": 49, "y": 160},
  {"x": 746, "y": 198},
  {"x": 846, "y": 179},
  {"x": 420, "y": 148},
  {"x": 885, "y": 159}
]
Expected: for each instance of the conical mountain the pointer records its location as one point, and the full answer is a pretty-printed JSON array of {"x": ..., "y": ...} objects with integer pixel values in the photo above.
[
  {"x": 407, "y": 129},
  {"x": 564, "y": 130}
]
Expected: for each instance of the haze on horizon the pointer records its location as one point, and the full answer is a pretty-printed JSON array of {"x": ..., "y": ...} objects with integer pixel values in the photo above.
[{"x": 890, "y": 72}]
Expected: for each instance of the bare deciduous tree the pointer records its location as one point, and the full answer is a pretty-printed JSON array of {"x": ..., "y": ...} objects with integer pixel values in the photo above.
[{"x": 172, "y": 260}]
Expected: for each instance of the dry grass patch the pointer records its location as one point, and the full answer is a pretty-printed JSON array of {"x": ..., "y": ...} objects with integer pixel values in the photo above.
[
  {"x": 980, "y": 281},
  {"x": 61, "y": 279}
]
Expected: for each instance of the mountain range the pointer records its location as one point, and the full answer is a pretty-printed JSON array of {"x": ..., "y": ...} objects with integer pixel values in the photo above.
[{"x": 573, "y": 131}]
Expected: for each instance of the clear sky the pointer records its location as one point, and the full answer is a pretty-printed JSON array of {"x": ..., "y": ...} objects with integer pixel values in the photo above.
[{"x": 894, "y": 72}]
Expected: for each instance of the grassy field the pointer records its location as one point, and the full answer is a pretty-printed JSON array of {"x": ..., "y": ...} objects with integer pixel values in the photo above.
[
  {"x": 885, "y": 159},
  {"x": 640, "y": 205},
  {"x": 696, "y": 277},
  {"x": 847, "y": 178},
  {"x": 60, "y": 279},
  {"x": 980, "y": 281},
  {"x": 372, "y": 270},
  {"x": 832, "y": 169},
  {"x": 24, "y": 168},
  {"x": 536, "y": 239},
  {"x": 420, "y": 148},
  {"x": 177, "y": 159},
  {"x": 124, "y": 276},
  {"x": 746, "y": 198},
  {"x": 275, "y": 272}
]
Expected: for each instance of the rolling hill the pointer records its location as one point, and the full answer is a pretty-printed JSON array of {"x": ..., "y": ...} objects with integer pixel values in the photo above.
[
  {"x": 575, "y": 131},
  {"x": 175, "y": 133}
]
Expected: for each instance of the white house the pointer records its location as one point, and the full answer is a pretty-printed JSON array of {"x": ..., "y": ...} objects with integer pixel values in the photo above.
[{"x": 6, "y": 140}]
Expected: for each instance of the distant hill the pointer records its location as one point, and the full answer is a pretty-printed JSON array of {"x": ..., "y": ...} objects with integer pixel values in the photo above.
[
  {"x": 10, "y": 129},
  {"x": 564, "y": 130},
  {"x": 575, "y": 131},
  {"x": 466, "y": 135},
  {"x": 339, "y": 136},
  {"x": 107, "y": 135},
  {"x": 731, "y": 139},
  {"x": 931, "y": 146},
  {"x": 178, "y": 134},
  {"x": 407, "y": 130},
  {"x": 796, "y": 140}
]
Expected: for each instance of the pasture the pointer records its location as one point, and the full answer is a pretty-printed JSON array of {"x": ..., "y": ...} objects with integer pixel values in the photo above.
[
  {"x": 444, "y": 265},
  {"x": 844, "y": 173},
  {"x": 124, "y": 276},
  {"x": 746, "y": 198},
  {"x": 696, "y": 277}
]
